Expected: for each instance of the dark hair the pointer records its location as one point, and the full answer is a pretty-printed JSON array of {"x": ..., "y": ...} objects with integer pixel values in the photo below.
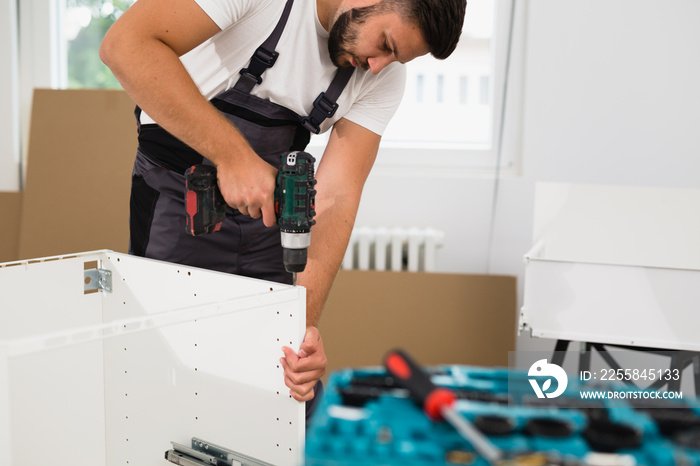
[{"x": 440, "y": 21}]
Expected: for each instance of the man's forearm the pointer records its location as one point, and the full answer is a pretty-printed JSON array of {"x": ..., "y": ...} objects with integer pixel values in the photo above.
[
  {"x": 329, "y": 239},
  {"x": 341, "y": 176}
]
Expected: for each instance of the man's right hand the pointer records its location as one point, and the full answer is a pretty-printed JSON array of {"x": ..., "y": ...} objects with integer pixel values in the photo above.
[{"x": 248, "y": 185}]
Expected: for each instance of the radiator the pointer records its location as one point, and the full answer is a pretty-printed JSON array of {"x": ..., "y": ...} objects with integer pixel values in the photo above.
[{"x": 396, "y": 249}]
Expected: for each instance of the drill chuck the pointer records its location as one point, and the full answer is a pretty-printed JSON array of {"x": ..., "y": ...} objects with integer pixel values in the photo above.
[
  {"x": 294, "y": 250},
  {"x": 294, "y": 260}
]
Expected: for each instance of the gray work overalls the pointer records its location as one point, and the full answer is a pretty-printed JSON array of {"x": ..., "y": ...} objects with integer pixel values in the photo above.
[{"x": 243, "y": 246}]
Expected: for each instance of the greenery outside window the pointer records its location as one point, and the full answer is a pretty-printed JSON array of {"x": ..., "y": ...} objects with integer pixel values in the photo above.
[{"x": 85, "y": 23}]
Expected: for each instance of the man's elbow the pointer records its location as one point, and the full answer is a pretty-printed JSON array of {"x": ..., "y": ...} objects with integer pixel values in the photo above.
[
  {"x": 115, "y": 46},
  {"x": 109, "y": 50}
]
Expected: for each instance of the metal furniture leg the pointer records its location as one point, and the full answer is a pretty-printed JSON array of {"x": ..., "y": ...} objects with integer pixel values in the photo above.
[
  {"x": 560, "y": 352},
  {"x": 584, "y": 357}
]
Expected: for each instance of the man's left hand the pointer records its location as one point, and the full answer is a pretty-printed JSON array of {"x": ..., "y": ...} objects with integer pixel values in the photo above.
[{"x": 302, "y": 370}]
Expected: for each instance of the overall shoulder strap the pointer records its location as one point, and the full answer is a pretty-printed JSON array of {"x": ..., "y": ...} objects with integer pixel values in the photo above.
[
  {"x": 325, "y": 104},
  {"x": 265, "y": 56}
]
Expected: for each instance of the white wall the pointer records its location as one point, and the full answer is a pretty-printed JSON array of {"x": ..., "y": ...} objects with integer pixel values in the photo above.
[{"x": 610, "y": 94}]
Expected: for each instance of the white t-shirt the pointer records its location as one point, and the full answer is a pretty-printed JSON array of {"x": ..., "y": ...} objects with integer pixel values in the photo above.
[{"x": 302, "y": 70}]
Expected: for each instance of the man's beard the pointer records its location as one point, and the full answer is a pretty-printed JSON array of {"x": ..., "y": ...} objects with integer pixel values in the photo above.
[{"x": 342, "y": 35}]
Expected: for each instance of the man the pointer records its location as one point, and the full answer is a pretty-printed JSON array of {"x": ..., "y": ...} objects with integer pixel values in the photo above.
[{"x": 187, "y": 64}]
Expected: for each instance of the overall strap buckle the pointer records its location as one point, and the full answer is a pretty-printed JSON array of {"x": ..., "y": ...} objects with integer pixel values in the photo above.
[
  {"x": 261, "y": 60},
  {"x": 323, "y": 108}
]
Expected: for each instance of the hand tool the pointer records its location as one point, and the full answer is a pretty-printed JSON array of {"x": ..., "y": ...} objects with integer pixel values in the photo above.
[
  {"x": 437, "y": 402},
  {"x": 295, "y": 198}
]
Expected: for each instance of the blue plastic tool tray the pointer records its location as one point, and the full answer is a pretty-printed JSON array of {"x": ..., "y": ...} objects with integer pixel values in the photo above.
[{"x": 365, "y": 419}]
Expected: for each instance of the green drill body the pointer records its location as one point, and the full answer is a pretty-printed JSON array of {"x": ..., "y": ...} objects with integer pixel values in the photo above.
[{"x": 295, "y": 199}]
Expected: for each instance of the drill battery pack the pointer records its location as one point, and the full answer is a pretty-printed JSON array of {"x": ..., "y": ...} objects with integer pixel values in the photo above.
[
  {"x": 365, "y": 418},
  {"x": 205, "y": 206}
]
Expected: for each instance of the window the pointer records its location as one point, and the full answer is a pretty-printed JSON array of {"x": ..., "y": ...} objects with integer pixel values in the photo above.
[
  {"x": 460, "y": 130},
  {"x": 48, "y": 44},
  {"x": 84, "y": 24},
  {"x": 443, "y": 120}
]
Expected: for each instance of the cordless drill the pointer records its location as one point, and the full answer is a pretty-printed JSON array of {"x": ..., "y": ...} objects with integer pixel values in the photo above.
[{"x": 294, "y": 205}]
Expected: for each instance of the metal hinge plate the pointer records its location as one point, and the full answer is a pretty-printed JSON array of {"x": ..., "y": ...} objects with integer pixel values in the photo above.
[{"x": 98, "y": 280}]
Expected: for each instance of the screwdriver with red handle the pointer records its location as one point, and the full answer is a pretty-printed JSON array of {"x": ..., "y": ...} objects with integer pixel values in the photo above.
[{"x": 437, "y": 402}]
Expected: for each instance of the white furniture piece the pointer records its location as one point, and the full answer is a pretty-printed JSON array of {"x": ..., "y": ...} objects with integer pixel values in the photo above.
[
  {"x": 616, "y": 265},
  {"x": 106, "y": 358}
]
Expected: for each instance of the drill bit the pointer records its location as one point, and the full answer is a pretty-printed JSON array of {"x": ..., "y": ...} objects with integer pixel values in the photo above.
[{"x": 294, "y": 278}]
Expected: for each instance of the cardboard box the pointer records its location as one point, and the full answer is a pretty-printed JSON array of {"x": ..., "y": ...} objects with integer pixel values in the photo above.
[
  {"x": 81, "y": 151},
  {"x": 10, "y": 213},
  {"x": 439, "y": 318}
]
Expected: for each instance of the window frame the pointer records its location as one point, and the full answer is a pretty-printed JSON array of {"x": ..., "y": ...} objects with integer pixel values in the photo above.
[
  {"x": 10, "y": 135},
  {"x": 38, "y": 65}
]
